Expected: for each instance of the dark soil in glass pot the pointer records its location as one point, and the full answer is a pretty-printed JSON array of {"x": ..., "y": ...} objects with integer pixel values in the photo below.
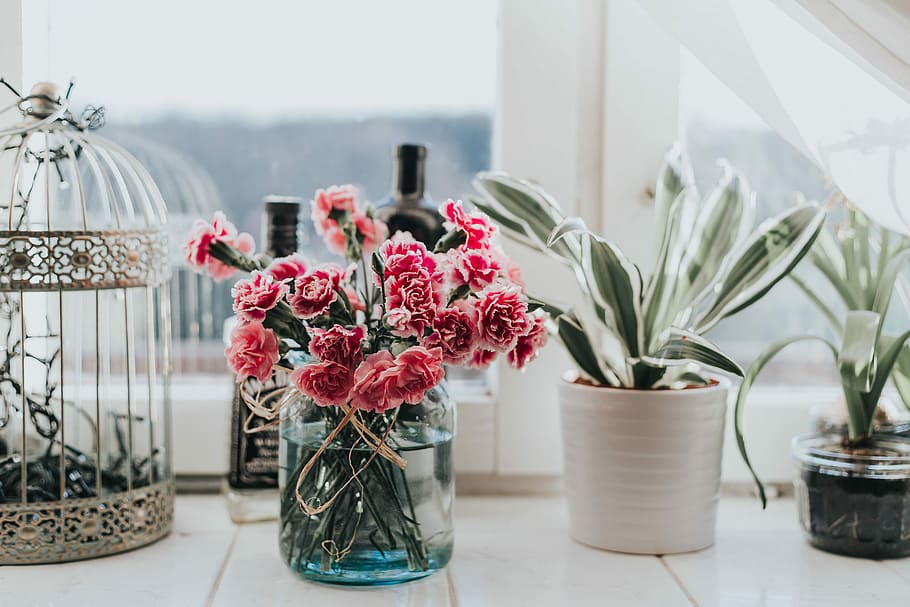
[{"x": 855, "y": 500}]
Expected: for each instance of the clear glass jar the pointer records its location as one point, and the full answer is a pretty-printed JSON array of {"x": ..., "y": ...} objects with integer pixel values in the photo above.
[
  {"x": 388, "y": 525},
  {"x": 854, "y": 501}
]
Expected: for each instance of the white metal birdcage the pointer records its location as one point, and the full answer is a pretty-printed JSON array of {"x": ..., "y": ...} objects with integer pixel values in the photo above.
[
  {"x": 198, "y": 307},
  {"x": 84, "y": 340}
]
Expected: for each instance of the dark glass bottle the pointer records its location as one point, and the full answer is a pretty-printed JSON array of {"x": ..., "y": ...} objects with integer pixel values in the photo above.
[
  {"x": 408, "y": 208},
  {"x": 252, "y": 481}
]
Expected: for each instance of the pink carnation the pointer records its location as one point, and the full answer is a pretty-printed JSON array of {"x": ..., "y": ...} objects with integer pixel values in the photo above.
[
  {"x": 412, "y": 300},
  {"x": 476, "y": 225},
  {"x": 454, "y": 333},
  {"x": 335, "y": 239},
  {"x": 252, "y": 351},
  {"x": 327, "y": 383},
  {"x": 416, "y": 370},
  {"x": 481, "y": 359},
  {"x": 371, "y": 231},
  {"x": 375, "y": 384},
  {"x": 529, "y": 345},
  {"x": 314, "y": 292},
  {"x": 403, "y": 254},
  {"x": 255, "y": 296},
  {"x": 327, "y": 206},
  {"x": 502, "y": 318},
  {"x": 475, "y": 268},
  {"x": 284, "y": 268},
  {"x": 335, "y": 198},
  {"x": 338, "y": 345},
  {"x": 203, "y": 234}
]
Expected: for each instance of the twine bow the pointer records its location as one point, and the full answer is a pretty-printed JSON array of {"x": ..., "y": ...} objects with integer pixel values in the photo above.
[{"x": 269, "y": 407}]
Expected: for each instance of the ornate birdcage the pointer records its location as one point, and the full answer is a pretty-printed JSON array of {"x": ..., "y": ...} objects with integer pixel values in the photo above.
[
  {"x": 198, "y": 308},
  {"x": 84, "y": 340}
]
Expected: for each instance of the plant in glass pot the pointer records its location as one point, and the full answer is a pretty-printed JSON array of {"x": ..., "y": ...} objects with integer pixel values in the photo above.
[
  {"x": 853, "y": 489},
  {"x": 366, "y": 424},
  {"x": 852, "y": 259},
  {"x": 642, "y": 423}
]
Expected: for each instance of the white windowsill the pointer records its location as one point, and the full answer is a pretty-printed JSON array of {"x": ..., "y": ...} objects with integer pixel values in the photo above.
[
  {"x": 508, "y": 552},
  {"x": 773, "y": 417},
  {"x": 201, "y": 427}
]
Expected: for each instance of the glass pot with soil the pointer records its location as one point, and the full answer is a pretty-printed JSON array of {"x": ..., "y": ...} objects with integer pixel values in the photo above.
[{"x": 854, "y": 498}]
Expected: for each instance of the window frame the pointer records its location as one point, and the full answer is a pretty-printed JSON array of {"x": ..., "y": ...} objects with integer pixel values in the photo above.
[{"x": 574, "y": 114}]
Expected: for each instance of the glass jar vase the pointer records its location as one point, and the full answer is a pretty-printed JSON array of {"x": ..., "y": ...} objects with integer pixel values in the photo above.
[
  {"x": 854, "y": 501},
  {"x": 387, "y": 524}
]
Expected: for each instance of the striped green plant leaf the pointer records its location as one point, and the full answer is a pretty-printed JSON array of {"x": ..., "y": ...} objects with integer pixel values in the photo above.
[
  {"x": 856, "y": 363},
  {"x": 769, "y": 255},
  {"x": 680, "y": 347},
  {"x": 515, "y": 230},
  {"x": 663, "y": 276},
  {"x": 893, "y": 361},
  {"x": 827, "y": 257},
  {"x": 901, "y": 375},
  {"x": 528, "y": 205},
  {"x": 536, "y": 303},
  {"x": 614, "y": 282},
  {"x": 574, "y": 337},
  {"x": 742, "y": 395},
  {"x": 887, "y": 281},
  {"x": 675, "y": 176},
  {"x": 723, "y": 222},
  {"x": 855, "y": 245}
]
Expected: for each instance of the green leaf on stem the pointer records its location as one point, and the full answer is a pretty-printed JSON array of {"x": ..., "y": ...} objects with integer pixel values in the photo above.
[
  {"x": 459, "y": 293},
  {"x": 885, "y": 288},
  {"x": 674, "y": 178},
  {"x": 377, "y": 264},
  {"x": 573, "y": 336},
  {"x": 613, "y": 281},
  {"x": 452, "y": 240},
  {"x": 680, "y": 347},
  {"x": 748, "y": 379},
  {"x": 769, "y": 255}
]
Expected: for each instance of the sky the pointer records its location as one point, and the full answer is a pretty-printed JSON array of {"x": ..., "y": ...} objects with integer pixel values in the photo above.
[
  {"x": 274, "y": 59},
  {"x": 266, "y": 59}
]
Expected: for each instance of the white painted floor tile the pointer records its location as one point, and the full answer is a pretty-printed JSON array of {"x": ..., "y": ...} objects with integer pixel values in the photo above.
[
  {"x": 509, "y": 552},
  {"x": 761, "y": 559},
  {"x": 256, "y": 576},
  {"x": 177, "y": 571},
  {"x": 512, "y": 552}
]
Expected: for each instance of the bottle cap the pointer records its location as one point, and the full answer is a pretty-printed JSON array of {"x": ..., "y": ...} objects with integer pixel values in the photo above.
[
  {"x": 289, "y": 204},
  {"x": 410, "y": 151}
]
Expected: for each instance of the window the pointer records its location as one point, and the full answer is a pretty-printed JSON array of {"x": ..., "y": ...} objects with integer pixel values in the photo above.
[
  {"x": 714, "y": 124},
  {"x": 225, "y": 106},
  {"x": 282, "y": 98}
]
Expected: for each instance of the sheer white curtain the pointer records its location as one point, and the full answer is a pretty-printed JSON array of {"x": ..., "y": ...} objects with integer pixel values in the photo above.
[{"x": 832, "y": 76}]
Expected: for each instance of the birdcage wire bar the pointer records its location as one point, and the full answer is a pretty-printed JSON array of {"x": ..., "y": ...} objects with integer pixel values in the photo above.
[{"x": 84, "y": 308}]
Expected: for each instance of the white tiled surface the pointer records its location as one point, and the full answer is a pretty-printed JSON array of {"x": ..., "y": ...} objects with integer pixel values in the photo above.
[{"x": 509, "y": 551}]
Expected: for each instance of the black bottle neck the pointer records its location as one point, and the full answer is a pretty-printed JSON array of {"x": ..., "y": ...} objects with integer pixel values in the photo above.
[
  {"x": 409, "y": 172},
  {"x": 280, "y": 225}
]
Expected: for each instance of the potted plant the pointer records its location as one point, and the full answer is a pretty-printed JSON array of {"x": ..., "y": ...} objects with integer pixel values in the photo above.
[
  {"x": 366, "y": 424},
  {"x": 642, "y": 424},
  {"x": 851, "y": 258},
  {"x": 853, "y": 489}
]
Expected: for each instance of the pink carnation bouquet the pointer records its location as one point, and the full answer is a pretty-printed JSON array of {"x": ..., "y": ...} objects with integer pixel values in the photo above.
[{"x": 364, "y": 340}]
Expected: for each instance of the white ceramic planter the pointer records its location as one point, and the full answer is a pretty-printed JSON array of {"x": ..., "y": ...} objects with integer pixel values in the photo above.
[{"x": 642, "y": 467}]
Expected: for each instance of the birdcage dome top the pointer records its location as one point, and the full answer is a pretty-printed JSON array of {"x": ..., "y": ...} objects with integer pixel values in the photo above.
[{"x": 76, "y": 209}]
